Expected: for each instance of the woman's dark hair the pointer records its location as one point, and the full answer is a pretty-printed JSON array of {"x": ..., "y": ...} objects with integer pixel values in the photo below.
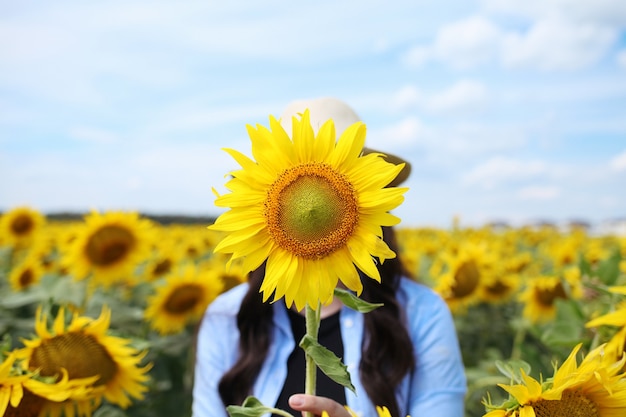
[{"x": 387, "y": 351}]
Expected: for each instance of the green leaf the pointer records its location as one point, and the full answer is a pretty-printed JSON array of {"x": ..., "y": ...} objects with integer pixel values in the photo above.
[
  {"x": 513, "y": 369},
  {"x": 109, "y": 411},
  {"x": 65, "y": 290},
  {"x": 252, "y": 407},
  {"x": 327, "y": 361},
  {"x": 354, "y": 302},
  {"x": 5, "y": 344},
  {"x": 585, "y": 266},
  {"x": 608, "y": 270},
  {"x": 21, "y": 299}
]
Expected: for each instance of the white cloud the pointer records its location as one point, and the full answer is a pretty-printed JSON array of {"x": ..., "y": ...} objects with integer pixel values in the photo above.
[
  {"x": 466, "y": 43},
  {"x": 501, "y": 170},
  {"x": 618, "y": 162},
  {"x": 464, "y": 95},
  {"x": 93, "y": 135},
  {"x": 556, "y": 44},
  {"x": 621, "y": 59},
  {"x": 553, "y": 41},
  {"x": 538, "y": 192},
  {"x": 406, "y": 97},
  {"x": 605, "y": 12},
  {"x": 417, "y": 56},
  {"x": 461, "y": 97},
  {"x": 461, "y": 44},
  {"x": 397, "y": 136}
]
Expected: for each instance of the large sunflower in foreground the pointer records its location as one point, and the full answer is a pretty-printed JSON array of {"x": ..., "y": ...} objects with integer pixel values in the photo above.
[
  {"x": 110, "y": 246},
  {"x": 84, "y": 349},
  {"x": 19, "y": 226},
  {"x": 182, "y": 299},
  {"x": 310, "y": 206},
  {"x": 11, "y": 384},
  {"x": 24, "y": 394},
  {"x": 595, "y": 388},
  {"x": 616, "y": 318}
]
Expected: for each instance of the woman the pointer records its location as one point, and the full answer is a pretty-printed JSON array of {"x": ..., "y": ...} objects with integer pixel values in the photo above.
[{"x": 403, "y": 355}]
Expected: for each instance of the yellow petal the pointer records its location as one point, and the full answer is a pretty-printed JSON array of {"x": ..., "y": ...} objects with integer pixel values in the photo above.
[{"x": 617, "y": 318}]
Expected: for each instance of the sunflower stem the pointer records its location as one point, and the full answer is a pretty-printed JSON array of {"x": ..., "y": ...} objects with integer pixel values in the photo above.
[
  {"x": 518, "y": 341},
  {"x": 312, "y": 329}
]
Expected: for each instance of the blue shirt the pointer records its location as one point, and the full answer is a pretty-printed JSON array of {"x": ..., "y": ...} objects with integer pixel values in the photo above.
[{"x": 436, "y": 387}]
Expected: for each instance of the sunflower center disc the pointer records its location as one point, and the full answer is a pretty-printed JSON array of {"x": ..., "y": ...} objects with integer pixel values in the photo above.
[
  {"x": 466, "y": 279},
  {"x": 109, "y": 245},
  {"x": 183, "y": 299},
  {"x": 81, "y": 354},
  {"x": 498, "y": 288},
  {"x": 311, "y": 210},
  {"x": 30, "y": 405},
  {"x": 571, "y": 404},
  {"x": 547, "y": 296},
  {"x": 162, "y": 267},
  {"x": 26, "y": 278},
  {"x": 22, "y": 225}
]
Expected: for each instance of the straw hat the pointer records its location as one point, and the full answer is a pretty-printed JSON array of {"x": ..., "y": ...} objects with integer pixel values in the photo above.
[{"x": 324, "y": 108}]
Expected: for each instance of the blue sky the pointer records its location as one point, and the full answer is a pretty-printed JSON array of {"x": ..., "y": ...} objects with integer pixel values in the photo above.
[{"x": 509, "y": 110}]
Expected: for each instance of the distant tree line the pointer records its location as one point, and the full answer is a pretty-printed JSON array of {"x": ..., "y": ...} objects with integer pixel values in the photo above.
[{"x": 164, "y": 219}]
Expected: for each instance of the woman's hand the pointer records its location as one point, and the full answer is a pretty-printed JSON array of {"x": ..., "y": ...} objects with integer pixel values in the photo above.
[{"x": 316, "y": 405}]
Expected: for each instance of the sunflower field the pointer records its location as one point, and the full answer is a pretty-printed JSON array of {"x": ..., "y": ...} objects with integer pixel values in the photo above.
[{"x": 98, "y": 316}]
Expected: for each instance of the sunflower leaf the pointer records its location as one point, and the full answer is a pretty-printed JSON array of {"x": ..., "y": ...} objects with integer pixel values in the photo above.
[
  {"x": 513, "y": 369},
  {"x": 252, "y": 407},
  {"x": 354, "y": 302},
  {"x": 327, "y": 361},
  {"x": 608, "y": 270},
  {"x": 109, "y": 411}
]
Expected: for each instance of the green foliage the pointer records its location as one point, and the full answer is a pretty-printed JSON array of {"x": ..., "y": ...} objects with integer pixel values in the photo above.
[
  {"x": 497, "y": 340},
  {"x": 252, "y": 407},
  {"x": 354, "y": 302},
  {"x": 327, "y": 361}
]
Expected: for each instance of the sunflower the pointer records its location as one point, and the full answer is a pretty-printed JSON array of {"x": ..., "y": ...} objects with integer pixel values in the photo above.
[
  {"x": 308, "y": 205},
  {"x": 499, "y": 289},
  {"x": 26, "y": 274},
  {"x": 466, "y": 270},
  {"x": 20, "y": 225},
  {"x": 183, "y": 299},
  {"x": 230, "y": 275},
  {"x": 110, "y": 246},
  {"x": 84, "y": 350},
  {"x": 26, "y": 394},
  {"x": 11, "y": 384},
  {"x": 165, "y": 259},
  {"x": 44, "y": 250},
  {"x": 595, "y": 388},
  {"x": 565, "y": 251},
  {"x": 595, "y": 251},
  {"x": 517, "y": 262},
  {"x": 540, "y": 297}
]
